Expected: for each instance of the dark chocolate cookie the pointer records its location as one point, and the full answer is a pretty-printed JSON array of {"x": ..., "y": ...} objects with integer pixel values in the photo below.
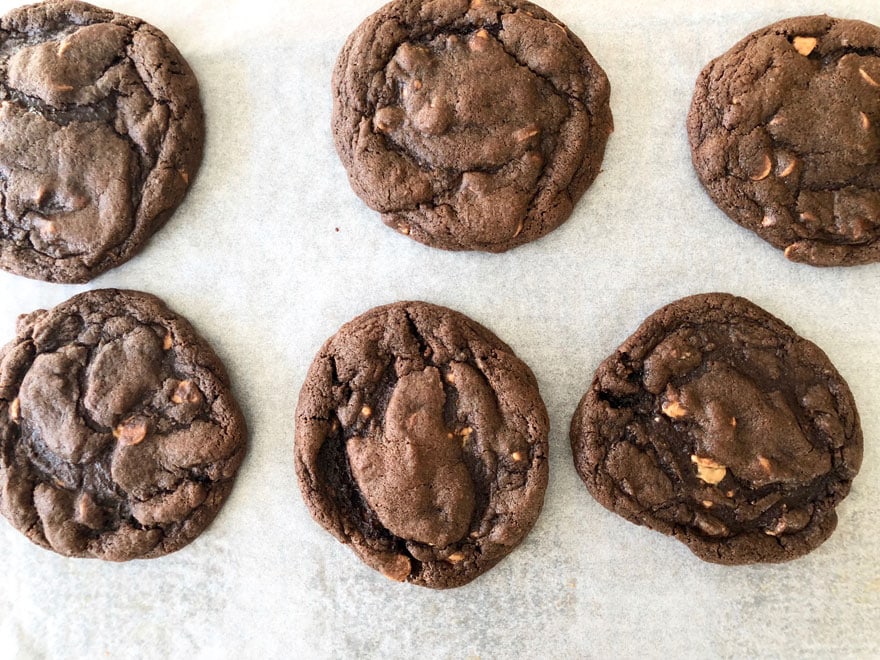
[
  {"x": 715, "y": 423},
  {"x": 469, "y": 124},
  {"x": 101, "y": 132},
  {"x": 119, "y": 437},
  {"x": 784, "y": 137},
  {"x": 421, "y": 441}
]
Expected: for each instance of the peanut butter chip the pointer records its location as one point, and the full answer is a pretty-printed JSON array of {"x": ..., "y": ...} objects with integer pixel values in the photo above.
[
  {"x": 864, "y": 121},
  {"x": 131, "y": 432},
  {"x": 186, "y": 392},
  {"x": 480, "y": 41},
  {"x": 366, "y": 411},
  {"x": 88, "y": 513},
  {"x": 764, "y": 172},
  {"x": 673, "y": 409},
  {"x": 398, "y": 569},
  {"x": 46, "y": 228},
  {"x": 524, "y": 134},
  {"x": 868, "y": 79},
  {"x": 808, "y": 217},
  {"x": 184, "y": 175},
  {"x": 789, "y": 168},
  {"x": 455, "y": 557},
  {"x": 15, "y": 410},
  {"x": 711, "y": 526},
  {"x": 778, "y": 529},
  {"x": 768, "y": 221},
  {"x": 387, "y": 119},
  {"x": 167, "y": 342},
  {"x": 804, "y": 45},
  {"x": 516, "y": 456},
  {"x": 708, "y": 470}
]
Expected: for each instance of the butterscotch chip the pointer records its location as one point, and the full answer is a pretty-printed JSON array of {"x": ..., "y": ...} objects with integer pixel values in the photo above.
[
  {"x": 427, "y": 95},
  {"x": 425, "y": 477},
  {"x": 103, "y": 460},
  {"x": 727, "y": 490},
  {"x": 812, "y": 112},
  {"x": 102, "y": 117}
]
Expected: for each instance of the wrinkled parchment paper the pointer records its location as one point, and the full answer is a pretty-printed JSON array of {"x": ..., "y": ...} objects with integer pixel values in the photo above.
[{"x": 272, "y": 252}]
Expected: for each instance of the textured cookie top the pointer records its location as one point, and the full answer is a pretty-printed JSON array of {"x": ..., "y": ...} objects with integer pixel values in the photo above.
[
  {"x": 717, "y": 424},
  {"x": 119, "y": 437},
  {"x": 784, "y": 136},
  {"x": 421, "y": 441},
  {"x": 469, "y": 124},
  {"x": 100, "y": 133}
]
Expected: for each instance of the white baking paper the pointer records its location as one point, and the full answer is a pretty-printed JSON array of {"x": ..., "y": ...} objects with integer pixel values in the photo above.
[{"x": 271, "y": 252}]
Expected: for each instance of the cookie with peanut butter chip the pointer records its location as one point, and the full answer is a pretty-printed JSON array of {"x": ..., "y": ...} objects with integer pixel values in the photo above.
[
  {"x": 101, "y": 133},
  {"x": 119, "y": 437},
  {"x": 421, "y": 442},
  {"x": 469, "y": 124},
  {"x": 715, "y": 423},
  {"x": 785, "y": 136}
]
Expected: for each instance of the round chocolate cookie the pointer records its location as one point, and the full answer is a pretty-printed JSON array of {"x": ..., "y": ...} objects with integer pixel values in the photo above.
[
  {"x": 101, "y": 132},
  {"x": 469, "y": 124},
  {"x": 784, "y": 137},
  {"x": 715, "y": 423},
  {"x": 119, "y": 437},
  {"x": 421, "y": 441}
]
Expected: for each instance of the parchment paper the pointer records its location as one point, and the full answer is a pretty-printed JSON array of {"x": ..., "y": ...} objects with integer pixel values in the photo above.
[{"x": 272, "y": 252}]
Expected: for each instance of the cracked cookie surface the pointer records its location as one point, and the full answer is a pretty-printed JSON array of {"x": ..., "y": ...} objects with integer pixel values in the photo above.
[
  {"x": 101, "y": 132},
  {"x": 469, "y": 124},
  {"x": 119, "y": 437},
  {"x": 715, "y": 423},
  {"x": 421, "y": 442},
  {"x": 785, "y": 136}
]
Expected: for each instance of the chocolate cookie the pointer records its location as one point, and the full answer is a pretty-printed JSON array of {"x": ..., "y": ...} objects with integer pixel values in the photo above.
[
  {"x": 784, "y": 137},
  {"x": 469, "y": 124},
  {"x": 421, "y": 441},
  {"x": 119, "y": 437},
  {"x": 101, "y": 132},
  {"x": 715, "y": 423}
]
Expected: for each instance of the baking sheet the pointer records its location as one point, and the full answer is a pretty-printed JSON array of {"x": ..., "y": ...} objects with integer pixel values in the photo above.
[{"x": 272, "y": 252}]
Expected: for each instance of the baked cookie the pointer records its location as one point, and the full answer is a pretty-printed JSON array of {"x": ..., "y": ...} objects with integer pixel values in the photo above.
[
  {"x": 119, "y": 437},
  {"x": 715, "y": 423},
  {"x": 784, "y": 137},
  {"x": 421, "y": 441},
  {"x": 101, "y": 132},
  {"x": 469, "y": 124}
]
